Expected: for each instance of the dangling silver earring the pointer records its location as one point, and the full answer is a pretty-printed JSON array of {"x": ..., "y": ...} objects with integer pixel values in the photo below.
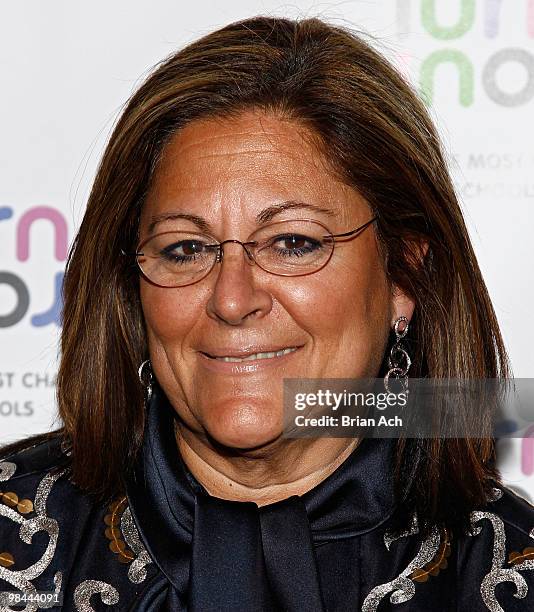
[
  {"x": 399, "y": 361},
  {"x": 146, "y": 378}
]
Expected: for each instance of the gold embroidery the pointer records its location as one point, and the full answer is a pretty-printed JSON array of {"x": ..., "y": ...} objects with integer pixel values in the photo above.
[
  {"x": 25, "y": 506},
  {"x": 117, "y": 545},
  {"x": 6, "y": 559},
  {"x": 439, "y": 562},
  {"x": 124, "y": 540},
  {"x": 11, "y": 499},
  {"x": 516, "y": 557}
]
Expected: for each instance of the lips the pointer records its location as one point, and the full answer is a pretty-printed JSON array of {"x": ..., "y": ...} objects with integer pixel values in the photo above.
[{"x": 229, "y": 356}]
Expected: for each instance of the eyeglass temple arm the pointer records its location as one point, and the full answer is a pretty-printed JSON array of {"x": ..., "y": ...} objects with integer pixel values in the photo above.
[
  {"x": 354, "y": 231},
  {"x": 131, "y": 253}
]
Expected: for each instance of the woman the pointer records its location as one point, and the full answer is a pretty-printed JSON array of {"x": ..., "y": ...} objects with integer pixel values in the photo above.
[{"x": 273, "y": 203}]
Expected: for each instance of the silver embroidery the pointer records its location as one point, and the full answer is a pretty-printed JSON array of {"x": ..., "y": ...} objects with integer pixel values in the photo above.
[
  {"x": 531, "y": 534},
  {"x": 137, "y": 570},
  {"x": 390, "y": 536},
  {"x": 402, "y": 588},
  {"x": 32, "y": 607},
  {"x": 495, "y": 494},
  {"x": 498, "y": 573},
  {"x": 41, "y": 522},
  {"x": 82, "y": 594},
  {"x": 528, "y": 564},
  {"x": 7, "y": 469}
]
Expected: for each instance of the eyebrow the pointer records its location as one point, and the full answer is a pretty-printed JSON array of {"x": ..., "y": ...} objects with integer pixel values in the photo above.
[
  {"x": 200, "y": 222},
  {"x": 271, "y": 211},
  {"x": 266, "y": 215}
]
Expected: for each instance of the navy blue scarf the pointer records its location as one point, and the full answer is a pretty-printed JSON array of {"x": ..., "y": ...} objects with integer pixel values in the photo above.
[{"x": 217, "y": 555}]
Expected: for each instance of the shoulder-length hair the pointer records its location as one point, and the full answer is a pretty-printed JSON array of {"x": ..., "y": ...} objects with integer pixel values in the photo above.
[{"x": 379, "y": 139}]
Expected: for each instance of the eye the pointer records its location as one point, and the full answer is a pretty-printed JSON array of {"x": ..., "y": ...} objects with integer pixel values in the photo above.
[
  {"x": 293, "y": 241},
  {"x": 184, "y": 250},
  {"x": 295, "y": 244}
]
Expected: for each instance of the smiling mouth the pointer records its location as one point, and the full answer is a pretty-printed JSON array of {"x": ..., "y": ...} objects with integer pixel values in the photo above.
[{"x": 254, "y": 356}]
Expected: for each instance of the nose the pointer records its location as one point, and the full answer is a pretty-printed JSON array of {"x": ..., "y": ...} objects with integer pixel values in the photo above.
[{"x": 237, "y": 296}]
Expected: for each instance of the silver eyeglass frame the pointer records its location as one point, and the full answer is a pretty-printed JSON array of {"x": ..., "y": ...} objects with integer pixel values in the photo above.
[{"x": 250, "y": 255}]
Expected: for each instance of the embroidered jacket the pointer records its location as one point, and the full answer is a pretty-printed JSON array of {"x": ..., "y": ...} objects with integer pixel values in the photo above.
[{"x": 133, "y": 555}]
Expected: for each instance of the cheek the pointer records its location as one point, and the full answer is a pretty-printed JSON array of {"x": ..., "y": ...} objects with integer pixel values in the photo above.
[
  {"x": 346, "y": 313},
  {"x": 169, "y": 313},
  {"x": 342, "y": 303}
]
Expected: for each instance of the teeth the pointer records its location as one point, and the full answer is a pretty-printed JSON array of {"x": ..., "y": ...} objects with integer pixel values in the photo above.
[{"x": 258, "y": 355}]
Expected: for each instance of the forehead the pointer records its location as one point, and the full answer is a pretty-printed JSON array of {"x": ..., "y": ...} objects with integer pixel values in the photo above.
[
  {"x": 249, "y": 131},
  {"x": 239, "y": 165},
  {"x": 247, "y": 140}
]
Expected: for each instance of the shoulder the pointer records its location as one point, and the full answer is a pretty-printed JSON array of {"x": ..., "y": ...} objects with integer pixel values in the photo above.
[
  {"x": 497, "y": 556},
  {"x": 58, "y": 538},
  {"x": 33, "y": 490},
  {"x": 34, "y": 473},
  {"x": 515, "y": 512},
  {"x": 507, "y": 522},
  {"x": 31, "y": 456}
]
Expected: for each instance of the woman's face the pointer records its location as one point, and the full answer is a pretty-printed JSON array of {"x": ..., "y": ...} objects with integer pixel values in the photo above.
[{"x": 337, "y": 320}]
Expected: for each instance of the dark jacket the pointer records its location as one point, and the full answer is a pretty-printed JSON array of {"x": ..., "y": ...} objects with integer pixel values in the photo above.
[{"x": 168, "y": 545}]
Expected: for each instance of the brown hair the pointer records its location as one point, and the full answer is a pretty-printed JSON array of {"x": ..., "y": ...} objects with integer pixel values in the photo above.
[{"x": 379, "y": 139}]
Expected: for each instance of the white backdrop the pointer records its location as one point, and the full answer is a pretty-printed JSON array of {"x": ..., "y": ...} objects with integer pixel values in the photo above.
[{"x": 68, "y": 66}]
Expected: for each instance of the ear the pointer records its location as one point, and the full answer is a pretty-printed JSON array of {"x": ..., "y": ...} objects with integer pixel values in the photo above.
[{"x": 401, "y": 304}]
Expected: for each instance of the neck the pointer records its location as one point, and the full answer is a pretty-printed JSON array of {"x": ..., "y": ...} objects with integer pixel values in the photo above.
[{"x": 266, "y": 475}]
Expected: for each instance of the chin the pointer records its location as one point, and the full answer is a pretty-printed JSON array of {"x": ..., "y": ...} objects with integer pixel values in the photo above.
[{"x": 245, "y": 426}]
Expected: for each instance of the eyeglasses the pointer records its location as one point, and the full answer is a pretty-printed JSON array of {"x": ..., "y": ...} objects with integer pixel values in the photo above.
[{"x": 285, "y": 248}]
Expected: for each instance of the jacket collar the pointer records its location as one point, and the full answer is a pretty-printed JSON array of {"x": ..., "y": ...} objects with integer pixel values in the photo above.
[{"x": 162, "y": 493}]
